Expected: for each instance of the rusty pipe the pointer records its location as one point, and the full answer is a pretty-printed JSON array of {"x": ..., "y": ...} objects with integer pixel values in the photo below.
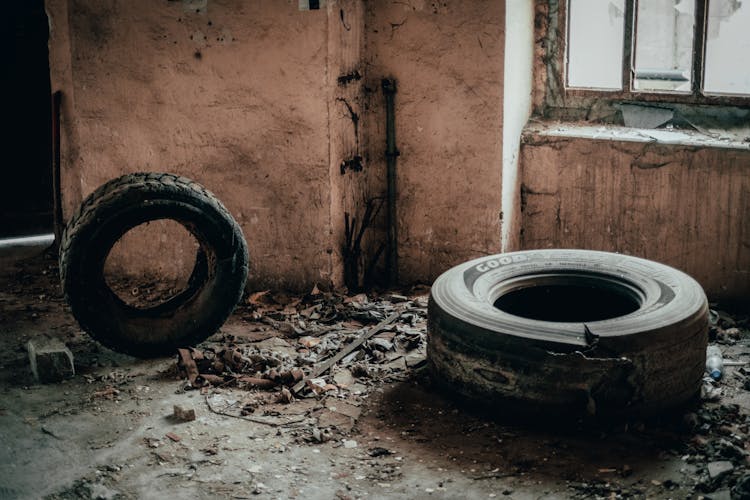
[{"x": 391, "y": 153}]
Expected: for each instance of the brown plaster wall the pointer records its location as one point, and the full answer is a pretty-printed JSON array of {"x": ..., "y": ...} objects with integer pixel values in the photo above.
[
  {"x": 230, "y": 93},
  {"x": 447, "y": 60},
  {"x": 245, "y": 97},
  {"x": 686, "y": 206}
]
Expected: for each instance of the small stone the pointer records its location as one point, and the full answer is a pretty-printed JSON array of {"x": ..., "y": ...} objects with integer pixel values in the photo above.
[
  {"x": 50, "y": 360},
  {"x": 381, "y": 344},
  {"x": 343, "y": 378},
  {"x": 349, "y": 443},
  {"x": 719, "y": 468},
  {"x": 309, "y": 342},
  {"x": 321, "y": 435},
  {"x": 182, "y": 414},
  {"x": 174, "y": 437}
]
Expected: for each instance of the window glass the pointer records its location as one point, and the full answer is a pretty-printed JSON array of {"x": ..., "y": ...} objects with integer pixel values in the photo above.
[
  {"x": 727, "y": 61},
  {"x": 595, "y": 40},
  {"x": 664, "y": 45}
]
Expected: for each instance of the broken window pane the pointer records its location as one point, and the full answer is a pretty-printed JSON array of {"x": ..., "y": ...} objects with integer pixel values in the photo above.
[
  {"x": 595, "y": 38},
  {"x": 664, "y": 45},
  {"x": 727, "y": 47}
]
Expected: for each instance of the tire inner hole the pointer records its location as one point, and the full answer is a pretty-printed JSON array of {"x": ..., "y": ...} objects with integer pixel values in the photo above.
[
  {"x": 136, "y": 270},
  {"x": 569, "y": 302}
]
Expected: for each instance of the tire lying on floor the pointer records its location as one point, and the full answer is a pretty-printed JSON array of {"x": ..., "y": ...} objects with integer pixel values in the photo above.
[
  {"x": 213, "y": 289},
  {"x": 568, "y": 332}
]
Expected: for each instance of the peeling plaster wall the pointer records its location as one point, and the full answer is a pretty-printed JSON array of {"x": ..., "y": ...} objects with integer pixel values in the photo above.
[
  {"x": 447, "y": 59},
  {"x": 245, "y": 97},
  {"x": 232, "y": 94},
  {"x": 686, "y": 204}
]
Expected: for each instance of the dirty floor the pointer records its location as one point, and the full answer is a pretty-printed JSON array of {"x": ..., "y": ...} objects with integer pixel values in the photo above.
[{"x": 375, "y": 426}]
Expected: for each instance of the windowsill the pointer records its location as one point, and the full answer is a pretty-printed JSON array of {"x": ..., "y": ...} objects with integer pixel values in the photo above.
[{"x": 735, "y": 138}]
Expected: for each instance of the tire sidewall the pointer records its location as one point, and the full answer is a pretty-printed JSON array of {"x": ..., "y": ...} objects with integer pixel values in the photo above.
[
  {"x": 109, "y": 215},
  {"x": 642, "y": 362}
]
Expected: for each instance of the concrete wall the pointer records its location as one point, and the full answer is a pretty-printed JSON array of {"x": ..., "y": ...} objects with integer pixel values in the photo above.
[
  {"x": 680, "y": 199},
  {"x": 245, "y": 98},
  {"x": 262, "y": 103},
  {"x": 229, "y": 93},
  {"x": 447, "y": 58}
]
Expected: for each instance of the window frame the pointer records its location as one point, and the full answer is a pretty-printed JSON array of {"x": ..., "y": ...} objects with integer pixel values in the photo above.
[{"x": 628, "y": 93}]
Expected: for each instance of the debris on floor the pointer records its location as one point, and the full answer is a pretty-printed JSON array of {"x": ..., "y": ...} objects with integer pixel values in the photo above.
[
  {"x": 371, "y": 425},
  {"x": 332, "y": 352},
  {"x": 328, "y": 345}
]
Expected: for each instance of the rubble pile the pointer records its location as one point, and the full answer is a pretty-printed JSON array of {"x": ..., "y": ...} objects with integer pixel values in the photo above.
[{"x": 386, "y": 335}]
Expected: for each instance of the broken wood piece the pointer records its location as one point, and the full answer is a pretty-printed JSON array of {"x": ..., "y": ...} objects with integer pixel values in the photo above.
[
  {"x": 260, "y": 383},
  {"x": 210, "y": 378},
  {"x": 187, "y": 363},
  {"x": 174, "y": 437},
  {"x": 318, "y": 370}
]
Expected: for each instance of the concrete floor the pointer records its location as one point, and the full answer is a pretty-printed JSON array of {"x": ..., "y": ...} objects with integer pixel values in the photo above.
[{"x": 106, "y": 432}]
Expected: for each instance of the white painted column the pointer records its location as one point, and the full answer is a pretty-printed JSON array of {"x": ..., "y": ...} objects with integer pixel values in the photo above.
[{"x": 519, "y": 54}]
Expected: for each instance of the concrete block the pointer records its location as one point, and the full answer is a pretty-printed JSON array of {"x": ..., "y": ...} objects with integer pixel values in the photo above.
[
  {"x": 50, "y": 360},
  {"x": 716, "y": 469}
]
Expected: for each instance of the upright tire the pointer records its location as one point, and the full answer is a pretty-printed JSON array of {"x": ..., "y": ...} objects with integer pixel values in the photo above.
[
  {"x": 569, "y": 332},
  {"x": 214, "y": 287}
]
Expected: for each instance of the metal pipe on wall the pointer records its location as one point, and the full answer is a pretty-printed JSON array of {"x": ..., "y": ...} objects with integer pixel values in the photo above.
[
  {"x": 391, "y": 153},
  {"x": 57, "y": 216}
]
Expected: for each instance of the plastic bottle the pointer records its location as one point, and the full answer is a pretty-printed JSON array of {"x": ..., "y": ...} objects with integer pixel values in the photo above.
[{"x": 714, "y": 362}]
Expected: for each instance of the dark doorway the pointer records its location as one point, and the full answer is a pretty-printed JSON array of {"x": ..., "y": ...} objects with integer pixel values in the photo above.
[{"x": 26, "y": 185}]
